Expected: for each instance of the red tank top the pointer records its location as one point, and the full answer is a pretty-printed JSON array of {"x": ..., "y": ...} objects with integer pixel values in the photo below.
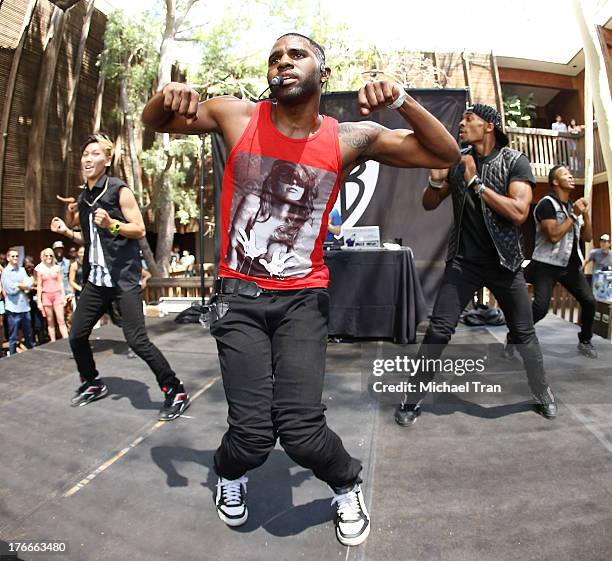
[{"x": 276, "y": 198}]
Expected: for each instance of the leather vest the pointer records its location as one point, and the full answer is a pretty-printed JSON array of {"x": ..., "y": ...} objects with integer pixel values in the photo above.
[
  {"x": 558, "y": 253},
  {"x": 507, "y": 237}
]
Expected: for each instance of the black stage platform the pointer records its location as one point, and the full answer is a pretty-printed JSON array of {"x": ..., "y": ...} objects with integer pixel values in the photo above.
[{"x": 468, "y": 482}]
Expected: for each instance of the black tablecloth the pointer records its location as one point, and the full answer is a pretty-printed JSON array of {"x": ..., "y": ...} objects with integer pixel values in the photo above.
[{"x": 374, "y": 293}]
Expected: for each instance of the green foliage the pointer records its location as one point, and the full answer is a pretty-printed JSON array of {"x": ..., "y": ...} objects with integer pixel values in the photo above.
[
  {"x": 131, "y": 50},
  {"x": 519, "y": 110},
  {"x": 222, "y": 71},
  {"x": 184, "y": 153}
]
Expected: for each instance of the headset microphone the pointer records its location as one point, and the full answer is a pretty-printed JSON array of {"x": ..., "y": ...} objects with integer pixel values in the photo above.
[{"x": 277, "y": 81}]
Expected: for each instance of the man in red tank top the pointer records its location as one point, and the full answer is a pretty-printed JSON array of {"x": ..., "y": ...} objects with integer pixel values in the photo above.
[{"x": 285, "y": 166}]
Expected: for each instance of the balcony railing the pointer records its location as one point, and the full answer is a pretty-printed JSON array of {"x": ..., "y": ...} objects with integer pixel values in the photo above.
[{"x": 545, "y": 148}]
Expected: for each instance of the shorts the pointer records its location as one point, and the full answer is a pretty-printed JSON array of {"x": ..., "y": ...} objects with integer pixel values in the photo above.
[{"x": 51, "y": 299}]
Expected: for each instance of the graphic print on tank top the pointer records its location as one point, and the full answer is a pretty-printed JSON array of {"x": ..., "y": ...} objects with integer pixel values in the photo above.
[{"x": 276, "y": 214}]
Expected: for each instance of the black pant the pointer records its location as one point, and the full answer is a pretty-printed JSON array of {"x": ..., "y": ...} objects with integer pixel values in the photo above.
[
  {"x": 461, "y": 279},
  {"x": 544, "y": 277},
  {"x": 272, "y": 354},
  {"x": 93, "y": 303}
]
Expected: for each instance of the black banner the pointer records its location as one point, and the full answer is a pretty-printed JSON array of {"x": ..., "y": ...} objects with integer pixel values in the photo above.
[{"x": 384, "y": 196}]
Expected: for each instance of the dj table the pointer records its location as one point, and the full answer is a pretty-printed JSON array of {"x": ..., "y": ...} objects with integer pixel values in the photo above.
[{"x": 374, "y": 293}]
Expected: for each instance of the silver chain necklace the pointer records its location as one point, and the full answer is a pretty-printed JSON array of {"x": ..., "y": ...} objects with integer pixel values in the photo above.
[{"x": 98, "y": 197}]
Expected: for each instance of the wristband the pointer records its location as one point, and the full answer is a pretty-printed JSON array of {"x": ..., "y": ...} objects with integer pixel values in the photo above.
[
  {"x": 115, "y": 226},
  {"x": 435, "y": 184},
  {"x": 399, "y": 101},
  {"x": 471, "y": 181},
  {"x": 481, "y": 188}
]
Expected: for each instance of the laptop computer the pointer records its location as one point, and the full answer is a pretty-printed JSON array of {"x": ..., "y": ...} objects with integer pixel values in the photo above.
[{"x": 361, "y": 236}]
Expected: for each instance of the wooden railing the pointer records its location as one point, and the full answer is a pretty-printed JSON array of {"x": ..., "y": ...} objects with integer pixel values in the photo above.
[
  {"x": 176, "y": 287},
  {"x": 545, "y": 148},
  {"x": 562, "y": 303}
]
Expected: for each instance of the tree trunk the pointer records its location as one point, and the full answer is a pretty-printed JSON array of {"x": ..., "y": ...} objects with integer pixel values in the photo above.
[
  {"x": 128, "y": 125},
  {"x": 166, "y": 226},
  {"x": 72, "y": 93},
  {"x": 40, "y": 115},
  {"x": 149, "y": 257},
  {"x": 97, "y": 115},
  {"x": 166, "y": 229},
  {"x": 131, "y": 141}
]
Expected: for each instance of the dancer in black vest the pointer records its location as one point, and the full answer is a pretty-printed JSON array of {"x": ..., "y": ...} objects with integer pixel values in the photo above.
[
  {"x": 491, "y": 189},
  {"x": 111, "y": 224}
]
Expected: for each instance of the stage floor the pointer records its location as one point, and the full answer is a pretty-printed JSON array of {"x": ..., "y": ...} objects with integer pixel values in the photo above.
[{"x": 468, "y": 482}]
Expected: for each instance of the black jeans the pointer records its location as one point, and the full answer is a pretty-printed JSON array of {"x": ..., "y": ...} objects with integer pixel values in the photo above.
[
  {"x": 272, "y": 354},
  {"x": 93, "y": 303},
  {"x": 544, "y": 277},
  {"x": 461, "y": 279}
]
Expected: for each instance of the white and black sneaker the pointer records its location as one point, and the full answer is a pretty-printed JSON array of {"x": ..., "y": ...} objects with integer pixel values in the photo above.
[
  {"x": 89, "y": 391},
  {"x": 352, "y": 519},
  {"x": 230, "y": 500},
  {"x": 175, "y": 402},
  {"x": 587, "y": 349}
]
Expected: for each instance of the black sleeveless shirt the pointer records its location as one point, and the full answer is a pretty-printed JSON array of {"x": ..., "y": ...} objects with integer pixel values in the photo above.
[{"x": 122, "y": 255}]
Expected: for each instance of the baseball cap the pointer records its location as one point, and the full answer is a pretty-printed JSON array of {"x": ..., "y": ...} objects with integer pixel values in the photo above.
[
  {"x": 57, "y": 244},
  {"x": 605, "y": 238}
]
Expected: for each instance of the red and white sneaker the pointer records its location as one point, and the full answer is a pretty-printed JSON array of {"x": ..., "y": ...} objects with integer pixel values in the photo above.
[
  {"x": 175, "y": 403},
  {"x": 89, "y": 391}
]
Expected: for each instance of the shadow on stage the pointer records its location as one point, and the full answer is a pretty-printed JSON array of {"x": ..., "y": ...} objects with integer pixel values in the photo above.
[{"x": 270, "y": 490}]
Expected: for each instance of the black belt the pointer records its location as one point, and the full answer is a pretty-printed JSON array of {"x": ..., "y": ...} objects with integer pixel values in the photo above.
[{"x": 226, "y": 285}]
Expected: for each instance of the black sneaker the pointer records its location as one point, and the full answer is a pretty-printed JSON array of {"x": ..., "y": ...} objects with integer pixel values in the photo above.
[
  {"x": 545, "y": 404},
  {"x": 587, "y": 349},
  {"x": 175, "y": 403},
  {"x": 352, "y": 520},
  {"x": 230, "y": 500},
  {"x": 88, "y": 392},
  {"x": 406, "y": 414}
]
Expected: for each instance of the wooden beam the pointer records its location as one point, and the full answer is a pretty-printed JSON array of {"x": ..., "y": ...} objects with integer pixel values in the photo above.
[
  {"x": 73, "y": 90},
  {"x": 497, "y": 84},
  {"x": 97, "y": 114},
  {"x": 10, "y": 91},
  {"x": 533, "y": 78},
  {"x": 605, "y": 51},
  {"x": 466, "y": 73},
  {"x": 40, "y": 116}
]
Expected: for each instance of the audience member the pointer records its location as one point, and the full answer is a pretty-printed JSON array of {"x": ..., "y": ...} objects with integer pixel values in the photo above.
[
  {"x": 51, "y": 293},
  {"x": 75, "y": 275},
  {"x": 601, "y": 257},
  {"x": 559, "y": 125},
  {"x": 16, "y": 284},
  {"x": 39, "y": 325},
  {"x": 334, "y": 225}
]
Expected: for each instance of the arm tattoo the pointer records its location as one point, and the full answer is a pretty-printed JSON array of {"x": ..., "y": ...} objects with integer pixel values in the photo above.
[{"x": 358, "y": 135}]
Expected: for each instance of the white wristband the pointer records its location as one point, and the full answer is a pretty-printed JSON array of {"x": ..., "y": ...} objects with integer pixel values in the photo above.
[
  {"x": 399, "y": 101},
  {"x": 471, "y": 181},
  {"x": 435, "y": 184}
]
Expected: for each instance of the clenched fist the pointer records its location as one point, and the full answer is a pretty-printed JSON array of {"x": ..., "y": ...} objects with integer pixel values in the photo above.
[
  {"x": 102, "y": 218},
  {"x": 376, "y": 95},
  {"x": 581, "y": 206},
  {"x": 58, "y": 225},
  {"x": 469, "y": 167},
  {"x": 182, "y": 100}
]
